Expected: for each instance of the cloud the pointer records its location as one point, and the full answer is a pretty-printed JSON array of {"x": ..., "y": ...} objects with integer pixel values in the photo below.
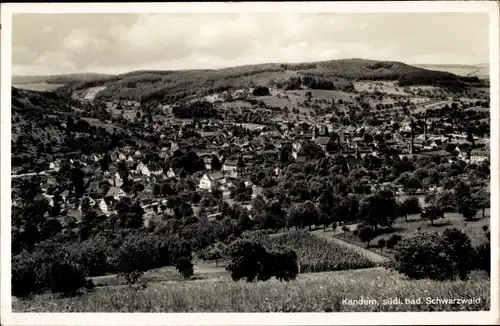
[{"x": 124, "y": 42}]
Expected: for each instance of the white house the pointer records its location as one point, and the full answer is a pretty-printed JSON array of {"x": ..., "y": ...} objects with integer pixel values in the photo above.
[
  {"x": 103, "y": 206},
  {"x": 477, "y": 156},
  {"x": 54, "y": 165},
  {"x": 122, "y": 157},
  {"x": 230, "y": 165},
  {"x": 145, "y": 171},
  {"x": 171, "y": 173},
  {"x": 210, "y": 180}
]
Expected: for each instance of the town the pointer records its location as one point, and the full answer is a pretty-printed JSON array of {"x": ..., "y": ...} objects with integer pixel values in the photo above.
[{"x": 340, "y": 175}]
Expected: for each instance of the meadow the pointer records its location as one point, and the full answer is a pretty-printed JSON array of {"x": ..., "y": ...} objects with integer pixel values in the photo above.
[
  {"x": 405, "y": 228},
  {"x": 312, "y": 292}
]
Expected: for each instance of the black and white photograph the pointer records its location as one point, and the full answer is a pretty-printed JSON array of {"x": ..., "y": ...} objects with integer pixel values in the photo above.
[{"x": 172, "y": 159}]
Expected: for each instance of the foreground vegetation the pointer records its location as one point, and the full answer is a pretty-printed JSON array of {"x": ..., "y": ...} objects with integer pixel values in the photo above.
[{"x": 316, "y": 292}]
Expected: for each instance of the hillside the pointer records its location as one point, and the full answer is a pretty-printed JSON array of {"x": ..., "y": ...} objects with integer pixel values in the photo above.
[
  {"x": 59, "y": 79},
  {"x": 480, "y": 71},
  {"x": 169, "y": 86}
]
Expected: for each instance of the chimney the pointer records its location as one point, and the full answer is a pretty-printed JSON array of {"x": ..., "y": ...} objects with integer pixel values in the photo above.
[
  {"x": 411, "y": 146},
  {"x": 425, "y": 129}
]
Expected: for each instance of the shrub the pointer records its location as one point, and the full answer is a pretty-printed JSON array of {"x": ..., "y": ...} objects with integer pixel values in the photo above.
[
  {"x": 250, "y": 260},
  {"x": 185, "y": 267},
  {"x": 260, "y": 91},
  {"x": 245, "y": 259},
  {"x": 47, "y": 268},
  {"x": 434, "y": 256},
  {"x": 67, "y": 277},
  {"x": 484, "y": 257},
  {"x": 393, "y": 240}
]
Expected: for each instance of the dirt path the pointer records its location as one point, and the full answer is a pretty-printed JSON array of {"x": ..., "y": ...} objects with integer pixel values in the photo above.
[{"x": 373, "y": 256}]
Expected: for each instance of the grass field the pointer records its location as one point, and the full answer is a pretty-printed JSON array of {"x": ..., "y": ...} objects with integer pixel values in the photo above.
[
  {"x": 314, "y": 292},
  {"x": 451, "y": 220}
]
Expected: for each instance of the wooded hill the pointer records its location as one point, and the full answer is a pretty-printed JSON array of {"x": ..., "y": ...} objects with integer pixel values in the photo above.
[{"x": 170, "y": 86}]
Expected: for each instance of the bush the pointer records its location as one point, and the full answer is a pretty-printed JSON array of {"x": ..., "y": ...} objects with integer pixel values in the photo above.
[
  {"x": 246, "y": 259},
  {"x": 484, "y": 257},
  {"x": 67, "y": 277},
  {"x": 47, "y": 269},
  {"x": 260, "y": 91},
  {"x": 280, "y": 264},
  {"x": 250, "y": 261},
  {"x": 435, "y": 256},
  {"x": 393, "y": 240}
]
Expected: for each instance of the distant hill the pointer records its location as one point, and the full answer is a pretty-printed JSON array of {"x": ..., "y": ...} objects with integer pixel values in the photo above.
[
  {"x": 170, "y": 86},
  {"x": 480, "y": 71},
  {"x": 59, "y": 79}
]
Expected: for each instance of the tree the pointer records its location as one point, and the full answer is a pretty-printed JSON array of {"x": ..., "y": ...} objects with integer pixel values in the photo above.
[
  {"x": 345, "y": 229},
  {"x": 484, "y": 253},
  {"x": 379, "y": 209},
  {"x": 130, "y": 213},
  {"x": 410, "y": 205},
  {"x": 246, "y": 259},
  {"x": 435, "y": 256},
  {"x": 250, "y": 261},
  {"x": 482, "y": 199},
  {"x": 215, "y": 165},
  {"x": 367, "y": 234},
  {"x": 215, "y": 252},
  {"x": 381, "y": 244},
  {"x": 468, "y": 208},
  {"x": 432, "y": 213}
]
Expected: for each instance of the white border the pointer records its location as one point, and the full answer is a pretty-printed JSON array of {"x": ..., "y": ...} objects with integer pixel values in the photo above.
[{"x": 435, "y": 318}]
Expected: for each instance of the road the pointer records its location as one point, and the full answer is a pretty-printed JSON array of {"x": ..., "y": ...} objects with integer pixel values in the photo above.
[
  {"x": 13, "y": 176},
  {"x": 373, "y": 256}
]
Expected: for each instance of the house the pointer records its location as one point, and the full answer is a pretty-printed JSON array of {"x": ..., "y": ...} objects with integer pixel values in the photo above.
[
  {"x": 173, "y": 172},
  {"x": 115, "y": 193},
  {"x": 438, "y": 153},
  {"x": 230, "y": 165},
  {"x": 105, "y": 205},
  {"x": 324, "y": 142},
  {"x": 143, "y": 169},
  {"x": 208, "y": 162},
  {"x": 173, "y": 147},
  {"x": 64, "y": 195},
  {"x": 54, "y": 165},
  {"x": 257, "y": 191},
  {"x": 116, "y": 180},
  {"x": 210, "y": 180},
  {"x": 155, "y": 169},
  {"x": 477, "y": 156},
  {"x": 122, "y": 157}
]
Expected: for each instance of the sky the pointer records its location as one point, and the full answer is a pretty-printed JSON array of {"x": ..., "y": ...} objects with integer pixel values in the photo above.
[{"x": 44, "y": 44}]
